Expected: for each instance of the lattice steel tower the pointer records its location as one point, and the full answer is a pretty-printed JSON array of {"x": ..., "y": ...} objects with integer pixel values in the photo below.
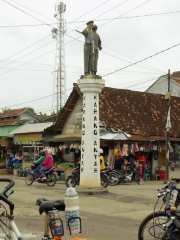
[{"x": 59, "y": 85}]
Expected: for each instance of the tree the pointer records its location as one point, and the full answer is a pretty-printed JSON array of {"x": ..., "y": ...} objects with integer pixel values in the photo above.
[
  {"x": 42, "y": 115},
  {"x": 5, "y": 109}
]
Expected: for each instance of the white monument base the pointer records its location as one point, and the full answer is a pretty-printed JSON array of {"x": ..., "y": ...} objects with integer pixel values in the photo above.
[{"x": 90, "y": 86}]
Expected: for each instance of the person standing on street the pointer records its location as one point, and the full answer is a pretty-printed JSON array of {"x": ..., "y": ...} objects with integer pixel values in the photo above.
[{"x": 102, "y": 164}]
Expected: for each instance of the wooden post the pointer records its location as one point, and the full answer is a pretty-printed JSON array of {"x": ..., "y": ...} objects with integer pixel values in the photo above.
[{"x": 168, "y": 125}]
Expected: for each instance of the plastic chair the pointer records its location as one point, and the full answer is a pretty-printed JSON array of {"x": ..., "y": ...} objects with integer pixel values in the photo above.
[
  {"x": 147, "y": 177},
  {"x": 157, "y": 172}
]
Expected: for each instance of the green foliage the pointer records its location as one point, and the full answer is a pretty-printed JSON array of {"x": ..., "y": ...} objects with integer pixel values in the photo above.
[
  {"x": 42, "y": 115},
  {"x": 62, "y": 166},
  {"x": 31, "y": 109},
  {"x": 24, "y": 121},
  {"x": 53, "y": 113},
  {"x": 5, "y": 109}
]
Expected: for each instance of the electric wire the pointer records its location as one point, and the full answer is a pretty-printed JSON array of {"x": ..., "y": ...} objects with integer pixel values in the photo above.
[
  {"x": 25, "y": 56},
  {"x": 49, "y": 25},
  {"x": 99, "y": 16},
  {"x": 29, "y": 61},
  {"x": 32, "y": 11},
  {"x": 143, "y": 59},
  {"x": 24, "y": 49},
  {"x": 146, "y": 58},
  {"x": 35, "y": 99},
  {"x": 46, "y": 24},
  {"x": 127, "y": 12},
  {"x": 68, "y": 35},
  {"x": 98, "y": 20},
  {"x": 43, "y": 98},
  {"x": 125, "y": 87}
]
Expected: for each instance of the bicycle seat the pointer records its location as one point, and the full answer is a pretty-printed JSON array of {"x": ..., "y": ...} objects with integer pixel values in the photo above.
[{"x": 47, "y": 205}]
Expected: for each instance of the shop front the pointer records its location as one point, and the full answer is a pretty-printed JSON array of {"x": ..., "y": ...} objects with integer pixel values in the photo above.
[{"x": 30, "y": 146}]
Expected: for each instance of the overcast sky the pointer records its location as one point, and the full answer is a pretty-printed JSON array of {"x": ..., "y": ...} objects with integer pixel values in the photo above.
[{"x": 27, "y": 53}]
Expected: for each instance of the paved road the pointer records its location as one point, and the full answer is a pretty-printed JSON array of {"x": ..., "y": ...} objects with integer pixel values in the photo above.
[{"x": 114, "y": 215}]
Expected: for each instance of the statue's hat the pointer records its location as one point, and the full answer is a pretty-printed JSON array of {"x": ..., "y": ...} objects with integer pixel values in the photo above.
[{"x": 89, "y": 22}]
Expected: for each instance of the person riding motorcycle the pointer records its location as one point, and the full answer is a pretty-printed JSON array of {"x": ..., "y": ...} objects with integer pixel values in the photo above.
[
  {"x": 47, "y": 164},
  {"x": 36, "y": 164}
]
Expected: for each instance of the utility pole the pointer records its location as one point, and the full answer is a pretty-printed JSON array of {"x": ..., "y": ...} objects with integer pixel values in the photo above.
[
  {"x": 59, "y": 85},
  {"x": 168, "y": 126}
]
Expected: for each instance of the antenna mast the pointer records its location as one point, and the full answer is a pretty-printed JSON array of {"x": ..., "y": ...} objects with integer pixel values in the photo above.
[{"x": 59, "y": 85}]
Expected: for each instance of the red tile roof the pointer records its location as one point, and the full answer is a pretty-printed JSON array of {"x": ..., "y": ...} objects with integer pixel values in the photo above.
[
  {"x": 176, "y": 77},
  {"x": 140, "y": 114},
  {"x": 7, "y": 122},
  {"x": 13, "y": 112}
]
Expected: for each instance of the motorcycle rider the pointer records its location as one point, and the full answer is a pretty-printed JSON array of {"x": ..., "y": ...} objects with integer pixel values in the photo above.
[
  {"x": 47, "y": 164},
  {"x": 37, "y": 163}
]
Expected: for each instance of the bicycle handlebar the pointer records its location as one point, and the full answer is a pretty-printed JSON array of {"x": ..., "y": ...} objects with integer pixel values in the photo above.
[
  {"x": 3, "y": 195},
  {"x": 168, "y": 196}
]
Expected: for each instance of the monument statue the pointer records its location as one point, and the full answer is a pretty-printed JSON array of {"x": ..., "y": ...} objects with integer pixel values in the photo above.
[
  {"x": 96, "y": 48},
  {"x": 91, "y": 46}
]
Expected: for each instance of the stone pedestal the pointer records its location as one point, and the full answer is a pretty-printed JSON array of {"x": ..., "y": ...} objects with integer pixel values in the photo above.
[{"x": 90, "y": 86}]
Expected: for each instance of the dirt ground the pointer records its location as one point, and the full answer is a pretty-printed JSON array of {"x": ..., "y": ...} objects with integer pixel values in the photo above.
[{"x": 114, "y": 215}]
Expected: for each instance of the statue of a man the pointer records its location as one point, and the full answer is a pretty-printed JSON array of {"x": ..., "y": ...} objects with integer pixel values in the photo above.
[
  {"x": 96, "y": 48},
  {"x": 88, "y": 47}
]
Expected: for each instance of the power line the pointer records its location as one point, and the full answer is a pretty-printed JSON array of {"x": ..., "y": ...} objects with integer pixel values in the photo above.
[
  {"x": 28, "y": 62},
  {"x": 32, "y": 10},
  {"x": 27, "y": 13},
  {"x": 143, "y": 59},
  {"x": 34, "y": 100},
  {"x": 130, "y": 62},
  {"x": 45, "y": 24},
  {"x": 56, "y": 93},
  {"x": 127, "y": 12},
  {"x": 23, "y": 57},
  {"x": 98, "y": 20},
  {"x": 23, "y": 49}
]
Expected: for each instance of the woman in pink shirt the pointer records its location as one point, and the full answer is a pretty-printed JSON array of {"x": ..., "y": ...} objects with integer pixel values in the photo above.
[{"x": 47, "y": 163}]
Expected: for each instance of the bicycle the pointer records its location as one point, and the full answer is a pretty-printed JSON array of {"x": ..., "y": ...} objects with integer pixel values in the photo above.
[
  {"x": 10, "y": 229},
  {"x": 164, "y": 225}
]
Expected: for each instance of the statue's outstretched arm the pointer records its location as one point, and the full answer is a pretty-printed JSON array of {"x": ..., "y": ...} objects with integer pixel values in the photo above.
[{"x": 85, "y": 31}]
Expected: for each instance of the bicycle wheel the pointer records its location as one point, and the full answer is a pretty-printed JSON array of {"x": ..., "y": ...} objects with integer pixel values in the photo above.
[
  {"x": 152, "y": 227},
  {"x": 29, "y": 179},
  {"x": 51, "y": 179},
  {"x": 113, "y": 179},
  {"x": 104, "y": 181},
  {"x": 139, "y": 179},
  {"x": 70, "y": 181}
]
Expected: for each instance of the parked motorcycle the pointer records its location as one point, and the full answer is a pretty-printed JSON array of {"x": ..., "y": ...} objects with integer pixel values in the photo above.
[
  {"x": 50, "y": 176},
  {"x": 117, "y": 177},
  {"x": 74, "y": 179}
]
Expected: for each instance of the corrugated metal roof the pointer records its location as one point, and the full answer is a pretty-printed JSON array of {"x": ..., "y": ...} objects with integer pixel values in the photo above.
[
  {"x": 28, "y": 128},
  {"x": 115, "y": 136}
]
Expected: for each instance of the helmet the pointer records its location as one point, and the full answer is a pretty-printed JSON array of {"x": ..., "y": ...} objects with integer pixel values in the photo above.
[
  {"x": 100, "y": 151},
  {"x": 42, "y": 153},
  {"x": 45, "y": 151},
  {"x": 49, "y": 152}
]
